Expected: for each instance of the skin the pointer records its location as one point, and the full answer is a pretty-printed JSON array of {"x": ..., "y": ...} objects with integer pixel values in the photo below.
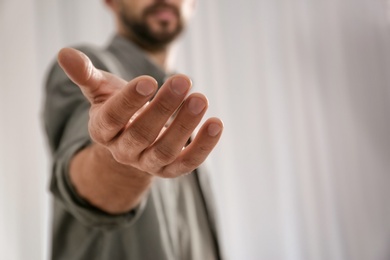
[
  {"x": 160, "y": 21},
  {"x": 129, "y": 152}
]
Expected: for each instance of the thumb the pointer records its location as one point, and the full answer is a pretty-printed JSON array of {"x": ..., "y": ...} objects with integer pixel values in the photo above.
[
  {"x": 77, "y": 66},
  {"x": 81, "y": 71}
]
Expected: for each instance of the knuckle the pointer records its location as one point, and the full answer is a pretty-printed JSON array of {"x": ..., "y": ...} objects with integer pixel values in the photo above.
[
  {"x": 130, "y": 104},
  {"x": 204, "y": 147},
  {"x": 124, "y": 151},
  {"x": 98, "y": 98},
  {"x": 121, "y": 157},
  {"x": 103, "y": 128},
  {"x": 191, "y": 163},
  {"x": 184, "y": 128},
  {"x": 163, "y": 155},
  {"x": 168, "y": 174},
  {"x": 138, "y": 136},
  {"x": 165, "y": 108},
  {"x": 96, "y": 133},
  {"x": 111, "y": 119}
]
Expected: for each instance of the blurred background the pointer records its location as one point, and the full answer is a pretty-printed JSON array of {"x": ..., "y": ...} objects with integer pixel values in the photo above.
[{"x": 303, "y": 169}]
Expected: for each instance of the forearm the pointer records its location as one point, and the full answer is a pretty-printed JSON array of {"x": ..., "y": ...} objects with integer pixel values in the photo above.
[{"x": 112, "y": 187}]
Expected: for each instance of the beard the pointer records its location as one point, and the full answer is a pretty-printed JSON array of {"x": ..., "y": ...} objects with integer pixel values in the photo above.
[{"x": 143, "y": 35}]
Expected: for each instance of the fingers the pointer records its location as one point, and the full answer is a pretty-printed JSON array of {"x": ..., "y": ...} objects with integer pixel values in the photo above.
[
  {"x": 144, "y": 144},
  {"x": 132, "y": 131},
  {"x": 95, "y": 84},
  {"x": 195, "y": 153},
  {"x": 115, "y": 114},
  {"x": 169, "y": 145},
  {"x": 146, "y": 127}
]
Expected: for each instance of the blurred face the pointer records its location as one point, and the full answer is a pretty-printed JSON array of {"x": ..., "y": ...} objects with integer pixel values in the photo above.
[{"x": 153, "y": 24}]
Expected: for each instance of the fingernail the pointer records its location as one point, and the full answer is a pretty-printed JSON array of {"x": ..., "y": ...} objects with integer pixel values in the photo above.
[
  {"x": 145, "y": 87},
  {"x": 214, "y": 129},
  {"x": 180, "y": 85},
  {"x": 196, "y": 105}
]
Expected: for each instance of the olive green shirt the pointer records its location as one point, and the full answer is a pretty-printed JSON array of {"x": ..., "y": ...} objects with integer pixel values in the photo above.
[{"x": 174, "y": 221}]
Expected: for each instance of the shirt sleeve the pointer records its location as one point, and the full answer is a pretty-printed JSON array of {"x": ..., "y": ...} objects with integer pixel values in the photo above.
[{"x": 66, "y": 115}]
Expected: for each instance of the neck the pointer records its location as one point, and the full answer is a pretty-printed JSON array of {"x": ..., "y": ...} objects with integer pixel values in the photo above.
[{"x": 160, "y": 57}]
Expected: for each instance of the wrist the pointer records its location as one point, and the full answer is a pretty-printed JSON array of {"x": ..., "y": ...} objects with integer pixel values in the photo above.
[{"x": 106, "y": 184}]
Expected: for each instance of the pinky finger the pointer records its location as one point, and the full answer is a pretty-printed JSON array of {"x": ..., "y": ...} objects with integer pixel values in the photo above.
[{"x": 197, "y": 151}]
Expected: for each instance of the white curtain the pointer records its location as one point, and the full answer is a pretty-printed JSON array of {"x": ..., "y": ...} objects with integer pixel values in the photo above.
[{"x": 303, "y": 168}]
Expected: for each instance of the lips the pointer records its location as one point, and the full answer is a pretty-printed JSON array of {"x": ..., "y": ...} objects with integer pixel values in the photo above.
[{"x": 163, "y": 12}]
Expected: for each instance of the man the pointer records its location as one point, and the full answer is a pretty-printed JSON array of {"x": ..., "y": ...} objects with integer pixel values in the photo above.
[{"x": 120, "y": 169}]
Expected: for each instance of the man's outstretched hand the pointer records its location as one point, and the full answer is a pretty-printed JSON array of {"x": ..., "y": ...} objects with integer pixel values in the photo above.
[{"x": 133, "y": 128}]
